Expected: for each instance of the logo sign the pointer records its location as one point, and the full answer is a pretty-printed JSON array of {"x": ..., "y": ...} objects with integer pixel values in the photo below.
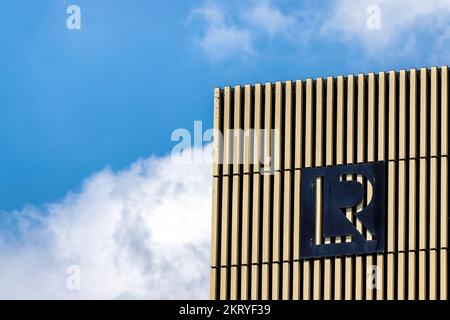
[{"x": 343, "y": 210}]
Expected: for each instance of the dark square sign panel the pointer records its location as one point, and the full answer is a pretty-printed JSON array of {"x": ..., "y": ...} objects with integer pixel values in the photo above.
[{"x": 328, "y": 194}]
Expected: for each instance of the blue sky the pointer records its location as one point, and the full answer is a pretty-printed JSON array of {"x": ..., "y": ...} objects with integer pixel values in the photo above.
[{"x": 74, "y": 102}]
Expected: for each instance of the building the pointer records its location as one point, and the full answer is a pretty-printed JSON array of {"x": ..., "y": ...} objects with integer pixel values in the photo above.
[{"x": 306, "y": 222}]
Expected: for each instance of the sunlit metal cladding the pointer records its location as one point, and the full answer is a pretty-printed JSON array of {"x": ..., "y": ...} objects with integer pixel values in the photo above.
[{"x": 336, "y": 189}]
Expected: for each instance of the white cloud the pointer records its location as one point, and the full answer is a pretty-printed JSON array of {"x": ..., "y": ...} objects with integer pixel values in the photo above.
[
  {"x": 229, "y": 31},
  {"x": 265, "y": 15},
  {"x": 406, "y": 27},
  {"x": 221, "y": 39},
  {"x": 402, "y": 21},
  {"x": 143, "y": 232}
]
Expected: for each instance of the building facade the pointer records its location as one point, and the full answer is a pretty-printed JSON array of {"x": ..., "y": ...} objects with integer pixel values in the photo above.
[{"x": 332, "y": 188}]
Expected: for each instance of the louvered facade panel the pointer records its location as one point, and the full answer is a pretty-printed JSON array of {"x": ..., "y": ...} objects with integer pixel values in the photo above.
[{"x": 269, "y": 135}]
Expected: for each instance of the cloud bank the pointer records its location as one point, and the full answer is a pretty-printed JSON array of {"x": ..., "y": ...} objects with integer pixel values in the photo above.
[
  {"x": 142, "y": 232},
  {"x": 220, "y": 38},
  {"x": 229, "y": 31},
  {"x": 406, "y": 26},
  {"x": 403, "y": 23}
]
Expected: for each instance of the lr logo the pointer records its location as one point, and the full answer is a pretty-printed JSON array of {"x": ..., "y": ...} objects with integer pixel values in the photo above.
[{"x": 343, "y": 210}]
